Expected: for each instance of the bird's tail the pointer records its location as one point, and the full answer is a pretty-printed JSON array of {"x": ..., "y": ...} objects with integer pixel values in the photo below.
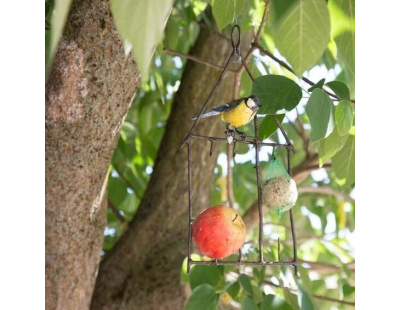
[{"x": 212, "y": 113}]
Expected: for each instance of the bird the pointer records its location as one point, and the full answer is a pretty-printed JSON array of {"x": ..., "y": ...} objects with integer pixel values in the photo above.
[{"x": 236, "y": 113}]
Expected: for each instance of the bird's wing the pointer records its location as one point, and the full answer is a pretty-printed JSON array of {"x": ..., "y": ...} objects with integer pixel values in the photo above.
[
  {"x": 228, "y": 106},
  {"x": 222, "y": 108}
]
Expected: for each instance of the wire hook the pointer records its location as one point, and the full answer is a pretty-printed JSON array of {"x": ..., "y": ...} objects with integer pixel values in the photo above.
[{"x": 236, "y": 44}]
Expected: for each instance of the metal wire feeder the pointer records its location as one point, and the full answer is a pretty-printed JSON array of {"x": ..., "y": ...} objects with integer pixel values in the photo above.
[{"x": 257, "y": 144}]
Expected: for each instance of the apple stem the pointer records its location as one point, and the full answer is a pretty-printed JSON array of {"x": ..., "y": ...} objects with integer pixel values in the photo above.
[{"x": 235, "y": 218}]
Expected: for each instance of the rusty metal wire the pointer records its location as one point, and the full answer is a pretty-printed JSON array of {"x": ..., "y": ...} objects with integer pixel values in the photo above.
[{"x": 248, "y": 140}]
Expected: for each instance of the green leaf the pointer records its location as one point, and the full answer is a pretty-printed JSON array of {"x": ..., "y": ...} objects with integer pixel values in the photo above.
[
  {"x": 340, "y": 89},
  {"x": 343, "y": 163},
  {"x": 320, "y": 113},
  {"x": 141, "y": 24},
  {"x": 291, "y": 299},
  {"x": 278, "y": 9},
  {"x": 268, "y": 126},
  {"x": 244, "y": 281},
  {"x": 302, "y": 34},
  {"x": 47, "y": 49},
  {"x": 346, "y": 54},
  {"x": 319, "y": 84},
  {"x": 248, "y": 304},
  {"x": 117, "y": 191},
  {"x": 328, "y": 147},
  {"x": 342, "y": 16},
  {"x": 223, "y": 11},
  {"x": 304, "y": 300},
  {"x": 205, "y": 275},
  {"x": 57, "y": 21},
  {"x": 257, "y": 294},
  {"x": 277, "y": 94},
  {"x": 343, "y": 117},
  {"x": 348, "y": 289},
  {"x": 233, "y": 289},
  {"x": 274, "y": 302},
  {"x": 305, "y": 279},
  {"x": 172, "y": 30},
  {"x": 344, "y": 35},
  {"x": 202, "y": 297}
]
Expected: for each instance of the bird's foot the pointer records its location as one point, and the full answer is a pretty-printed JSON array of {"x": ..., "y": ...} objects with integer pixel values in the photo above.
[
  {"x": 230, "y": 135},
  {"x": 242, "y": 135}
]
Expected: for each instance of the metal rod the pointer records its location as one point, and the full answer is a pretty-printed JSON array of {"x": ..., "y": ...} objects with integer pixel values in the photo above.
[
  {"x": 279, "y": 249},
  {"x": 259, "y": 203},
  {"x": 289, "y": 169},
  {"x": 208, "y": 99},
  {"x": 253, "y": 142},
  {"x": 189, "y": 259},
  {"x": 284, "y": 133},
  {"x": 247, "y": 68},
  {"x": 236, "y": 263},
  {"x": 273, "y": 116}
]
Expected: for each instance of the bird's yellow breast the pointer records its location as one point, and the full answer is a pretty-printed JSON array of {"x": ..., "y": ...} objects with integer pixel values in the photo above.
[{"x": 238, "y": 116}]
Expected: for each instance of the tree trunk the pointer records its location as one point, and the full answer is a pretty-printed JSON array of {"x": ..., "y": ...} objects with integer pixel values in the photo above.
[
  {"x": 87, "y": 96},
  {"x": 143, "y": 269}
]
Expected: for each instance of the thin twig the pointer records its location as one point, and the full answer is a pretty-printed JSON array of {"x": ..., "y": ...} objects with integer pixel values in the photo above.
[
  {"x": 229, "y": 183},
  {"x": 195, "y": 59},
  {"x": 350, "y": 303},
  {"x": 255, "y": 45},
  {"x": 127, "y": 182},
  {"x": 318, "y": 265},
  {"x": 264, "y": 18},
  {"x": 115, "y": 210},
  {"x": 325, "y": 190},
  {"x": 286, "y": 66}
]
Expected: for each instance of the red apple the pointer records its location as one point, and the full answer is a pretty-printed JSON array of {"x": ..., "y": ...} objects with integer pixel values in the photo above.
[{"x": 219, "y": 232}]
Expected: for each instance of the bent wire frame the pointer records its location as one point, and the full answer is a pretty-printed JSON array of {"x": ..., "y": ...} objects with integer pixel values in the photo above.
[{"x": 257, "y": 144}]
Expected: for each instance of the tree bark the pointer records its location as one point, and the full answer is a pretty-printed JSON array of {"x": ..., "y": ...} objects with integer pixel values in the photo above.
[
  {"x": 144, "y": 268},
  {"x": 87, "y": 96}
]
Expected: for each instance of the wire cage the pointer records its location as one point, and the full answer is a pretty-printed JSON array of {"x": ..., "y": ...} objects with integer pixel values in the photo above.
[{"x": 250, "y": 141}]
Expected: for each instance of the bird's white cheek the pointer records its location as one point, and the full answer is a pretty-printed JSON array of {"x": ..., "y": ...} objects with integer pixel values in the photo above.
[{"x": 250, "y": 103}]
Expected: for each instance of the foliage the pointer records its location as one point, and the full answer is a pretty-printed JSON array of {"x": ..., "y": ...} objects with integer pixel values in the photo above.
[
  {"x": 141, "y": 24},
  {"x": 320, "y": 113},
  {"x": 302, "y": 33},
  {"x": 309, "y": 35},
  {"x": 277, "y": 94},
  {"x": 55, "y": 16}
]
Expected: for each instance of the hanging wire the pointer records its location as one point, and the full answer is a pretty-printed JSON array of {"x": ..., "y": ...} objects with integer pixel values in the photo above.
[{"x": 235, "y": 42}]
